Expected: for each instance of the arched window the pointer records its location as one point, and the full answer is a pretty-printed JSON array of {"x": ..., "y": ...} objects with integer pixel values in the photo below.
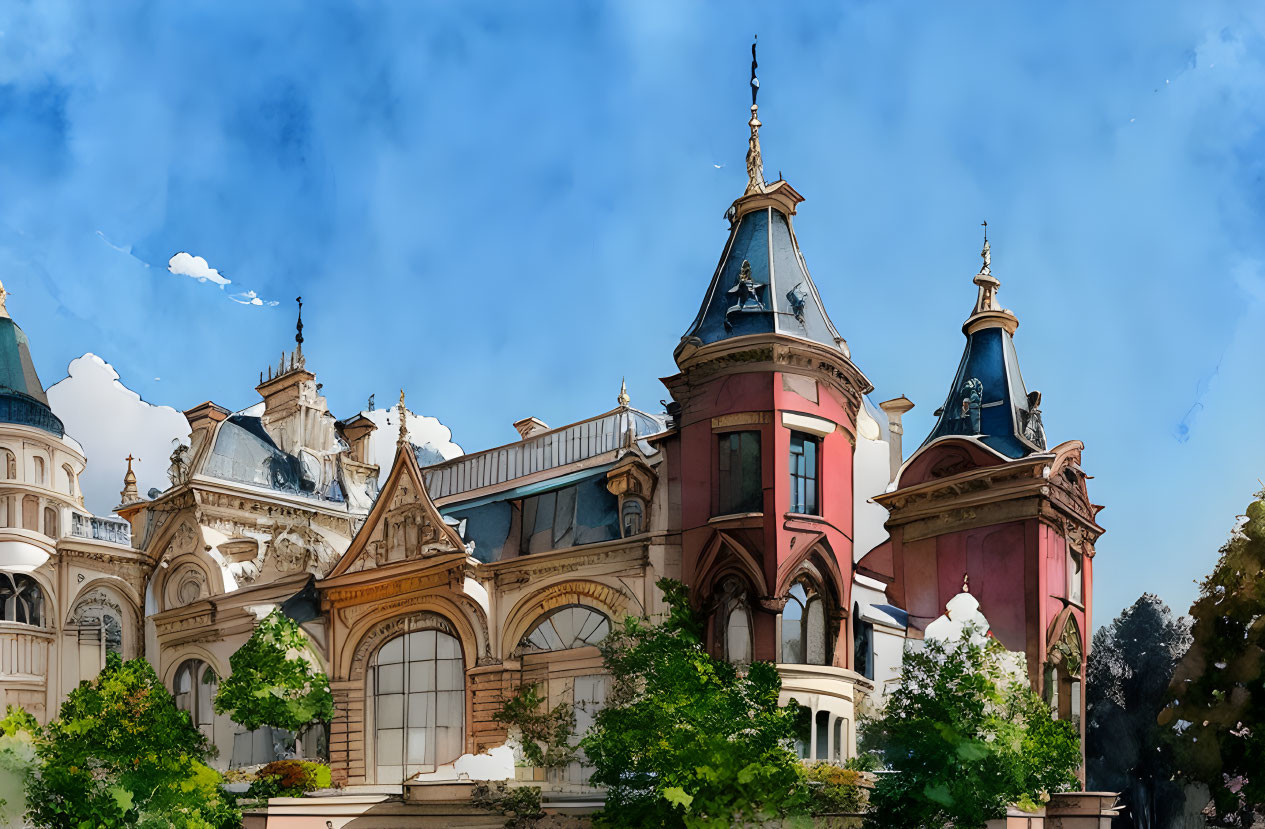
[
  {"x": 419, "y": 702},
  {"x": 733, "y": 621},
  {"x": 10, "y": 466},
  {"x": 100, "y": 631},
  {"x": 21, "y": 599},
  {"x": 633, "y": 517},
  {"x": 194, "y": 689},
  {"x": 804, "y": 640},
  {"x": 50, "y": 522},
  {"x": 31, "y": 513},
  {"x": 70, "y": 478},
  {"x": 573, "y": 626},
  {"x": 40, "y": 474}
]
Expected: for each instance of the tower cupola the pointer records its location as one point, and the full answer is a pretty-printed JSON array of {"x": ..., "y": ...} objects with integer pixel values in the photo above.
[
  {"x": 762, "y": 284},
  {"x": 988, "y": 400}
]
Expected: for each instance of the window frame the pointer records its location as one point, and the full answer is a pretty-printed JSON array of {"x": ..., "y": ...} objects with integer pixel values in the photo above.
[
  {"x": 805, "y": 473},
  {"x": 735, "y": 493}
]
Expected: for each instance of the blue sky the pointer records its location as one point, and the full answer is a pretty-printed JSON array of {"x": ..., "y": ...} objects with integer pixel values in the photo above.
[{"x": 505, "y": 208}]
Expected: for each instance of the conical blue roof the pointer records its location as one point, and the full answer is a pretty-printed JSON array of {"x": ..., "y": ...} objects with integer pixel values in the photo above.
[
  {"x": 22, "y": 397},
  {"x": 988, "y": 399},
  {"x": 762, "y": 284}
]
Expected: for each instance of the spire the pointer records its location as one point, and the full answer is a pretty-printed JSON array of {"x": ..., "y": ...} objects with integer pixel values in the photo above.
[
  {"x": 129, "y": 495},
  {"x": 402, "y": 441},
  {"x": 988, "y": 400},
  {"x": 988, "y": 312},
  {"x": 755, "y": 164},
  {"x": 623, "y": 398},
  {"x": 298, "y": 328}
]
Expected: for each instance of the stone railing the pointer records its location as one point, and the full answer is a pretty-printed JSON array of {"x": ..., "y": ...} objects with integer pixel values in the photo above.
[{"x": 112, "y": 530}]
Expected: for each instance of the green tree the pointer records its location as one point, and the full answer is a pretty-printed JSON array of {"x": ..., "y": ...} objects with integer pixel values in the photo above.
[
  {"x": 1218, "y": 715},
  {"x": 120, "y": 754},
  {"x": 273, "y": 683},
  {"x": 966, "y": 736},
  {"x": 1126, "y": 750},
  {"x": 687, "y": 740}
]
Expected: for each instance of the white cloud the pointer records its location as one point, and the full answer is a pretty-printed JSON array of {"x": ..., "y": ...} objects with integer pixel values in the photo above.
[
  {"x": 432, "y": 437},
  {"x": 111, "y": 421},
  {"x": 195, "y": 267},
  {"x": 252, "y": 298}
]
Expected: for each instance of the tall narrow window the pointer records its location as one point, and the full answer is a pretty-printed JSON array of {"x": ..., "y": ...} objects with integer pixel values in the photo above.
[
  {"x": 804, "y": 474},
  {"x": 862, "y": 644},
  {"x": 10, "y": 465},
  {"x": 39, "y": 471},
  {"x": 194, "y": 689},
  {"x": 733, "y": 621},
  {"x": 1074, "y": 577},
  {"x": 740, "y": 487},
  {"x": 70, "y": 479},
  {"x": 804, "y": 639},
  {"x": 50, "y": 522}
]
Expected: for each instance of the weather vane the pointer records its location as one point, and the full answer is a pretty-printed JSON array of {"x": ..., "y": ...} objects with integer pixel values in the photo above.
[
  {"x": 298, "y": 336},
  {"x": 755, "y": 82},
  {"x": 985, "y": 225}
]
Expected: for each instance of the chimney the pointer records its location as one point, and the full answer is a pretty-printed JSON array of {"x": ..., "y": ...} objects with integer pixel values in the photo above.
[
  {"x": 895, "y": 408},
  {"x": 530, "y": 426}
]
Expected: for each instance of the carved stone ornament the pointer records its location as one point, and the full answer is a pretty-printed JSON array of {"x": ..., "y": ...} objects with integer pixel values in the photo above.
[{"x": 1068, "y": 649}]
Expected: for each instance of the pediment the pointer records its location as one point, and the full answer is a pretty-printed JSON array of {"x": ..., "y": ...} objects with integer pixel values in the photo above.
[{"x": 404, "y": 524}]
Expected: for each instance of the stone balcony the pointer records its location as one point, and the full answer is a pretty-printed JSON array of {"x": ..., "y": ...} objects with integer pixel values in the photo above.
[{"x": 831, "y": 695}]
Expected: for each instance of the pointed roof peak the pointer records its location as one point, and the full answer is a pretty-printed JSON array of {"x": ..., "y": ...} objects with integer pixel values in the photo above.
[
  {"x": 988, "y": 312},
  {"x": 623, "y": 398}
]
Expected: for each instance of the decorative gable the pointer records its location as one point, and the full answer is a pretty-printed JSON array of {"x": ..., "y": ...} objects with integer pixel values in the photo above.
[{"x": 404, "y": 524}]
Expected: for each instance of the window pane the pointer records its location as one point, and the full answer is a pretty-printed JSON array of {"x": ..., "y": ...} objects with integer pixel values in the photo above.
[
  {"x": 816, "y": 632},
  {"x": 738, "y": 634},
  {"x": 823, "y": 735},
  {"x": 739, "y": 486},
  {"x": 390, "y": 679},
  {"x": 390, "y": 709}
]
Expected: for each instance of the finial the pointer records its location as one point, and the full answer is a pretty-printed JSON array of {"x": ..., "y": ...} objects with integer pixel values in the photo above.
[
  {"x": 986, "y": 253},
  {"x": 4, "y": 295},
  {"x": 129, "y": 495},
  {"x": 403, "y": 439},
  {"x": 755, "y": 163},
  {"x": 623, "y": 398},
  {"x": 371, "y": 402},
  {"x": 298, "y": 334}
]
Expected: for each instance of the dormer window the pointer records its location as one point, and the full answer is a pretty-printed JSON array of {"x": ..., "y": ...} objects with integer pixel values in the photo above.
[{"x": 740, "y": 488}]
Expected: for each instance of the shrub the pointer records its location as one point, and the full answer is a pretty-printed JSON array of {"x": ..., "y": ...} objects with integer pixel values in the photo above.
[
  {"x": 120, "y": 754},
  {"x": 545, "y": 732},
  {"x": 288, "y": 778},
  {"x": 835, "y": 789}
]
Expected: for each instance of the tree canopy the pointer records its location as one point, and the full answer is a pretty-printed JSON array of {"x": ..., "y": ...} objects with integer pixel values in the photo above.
[
  {"x": 120, "y": 754},
  {"x": 967, "y": 737},
  {"x": 1130, "y": 666},
  {"x": 1218, "y": 714},
  {"x": 685, "y": 739},
  {"x": 273, "y": 682}
]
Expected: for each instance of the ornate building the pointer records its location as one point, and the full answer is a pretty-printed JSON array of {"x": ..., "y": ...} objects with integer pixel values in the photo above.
[
  {"x": 772, "y": 486},
  {"x": 70, "y": 582}
]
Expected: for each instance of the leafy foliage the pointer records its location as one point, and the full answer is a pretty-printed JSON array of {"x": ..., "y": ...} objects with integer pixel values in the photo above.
[
  {"x": 967, "y": 736},
  {"x": 521, "y": 803},
  {"x": 121, "y": 755},
  {"x": 273, "y": 683},
  {"x": 18, "y": 761},
  {"x": 1130, "y": 667},
  {"x": 545, "y": 732},
  {"x": 288, "y": 778},
  {"x": 684, "y": 739},
  {"x": 1218, "y": 719},
  {"x": 835, "y": 789}
]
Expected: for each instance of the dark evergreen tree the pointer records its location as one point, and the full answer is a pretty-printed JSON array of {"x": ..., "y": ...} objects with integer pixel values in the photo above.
[
  {"x": 1126, "y": 751},
  {"x": 1218, "y": 715}
]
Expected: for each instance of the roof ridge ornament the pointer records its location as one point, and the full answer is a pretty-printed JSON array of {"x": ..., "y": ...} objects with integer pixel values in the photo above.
[
  {"x": 755, "y": 163},
  {"x": 402, "y": 440},
  {"x": 623, "y": 398}
]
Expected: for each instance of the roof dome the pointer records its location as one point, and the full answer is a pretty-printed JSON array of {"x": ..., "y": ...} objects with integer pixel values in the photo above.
[{"x": 22, "y": 397}]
